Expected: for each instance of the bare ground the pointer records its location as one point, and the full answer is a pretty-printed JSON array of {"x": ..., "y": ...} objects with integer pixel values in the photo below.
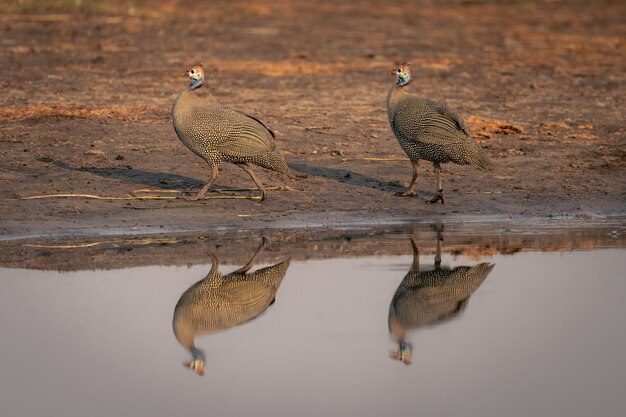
[{"x": 86, "y": 105}]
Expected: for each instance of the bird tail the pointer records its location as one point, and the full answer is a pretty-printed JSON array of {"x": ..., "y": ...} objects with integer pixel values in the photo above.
[
  {"x": 484, "y": 162},
  {"x": 475, "y": 155},
  {"x": 484, "y": 268},
  {"x": 274, "y": 274},
  {"x": 273, "y": 161}
]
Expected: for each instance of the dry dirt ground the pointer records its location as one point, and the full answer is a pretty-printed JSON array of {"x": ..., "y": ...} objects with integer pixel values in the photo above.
[{"x": 86, "y": 99}]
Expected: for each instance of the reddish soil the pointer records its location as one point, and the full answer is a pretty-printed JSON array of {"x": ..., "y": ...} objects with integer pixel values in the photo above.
[{"x": 86, "y": 106}]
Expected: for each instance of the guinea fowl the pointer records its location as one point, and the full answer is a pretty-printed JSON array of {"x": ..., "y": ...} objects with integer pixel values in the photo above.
[
  {"x": 218, "y": 302},
  {"x": 425, "y": 298},
  {"x": 217, "y": 133},
  {"x": 429, "y": 130}
]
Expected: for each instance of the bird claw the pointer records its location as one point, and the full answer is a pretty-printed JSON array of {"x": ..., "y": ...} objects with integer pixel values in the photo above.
[
  {"x": 194, "y": 197},
  {"x": 259, "y": 198},
  {"x": 190, "y": 198},
  {"x": 438, "y": 197}
]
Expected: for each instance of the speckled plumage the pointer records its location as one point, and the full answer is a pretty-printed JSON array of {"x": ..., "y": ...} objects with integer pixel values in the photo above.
[
  {"x": 426, "y": 298},
  {"x": 430, "y": 131},
  {"x": 217, "y": 133},
  {"x": 218, "y": 302}
]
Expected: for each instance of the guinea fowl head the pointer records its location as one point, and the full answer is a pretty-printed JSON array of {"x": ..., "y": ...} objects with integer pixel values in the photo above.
[
  {"x": 197, "y": 364},
  {"x": 402, "y": 74},
  {"x": 196, "y": 75},
  {"x": 403, "y": 353}
]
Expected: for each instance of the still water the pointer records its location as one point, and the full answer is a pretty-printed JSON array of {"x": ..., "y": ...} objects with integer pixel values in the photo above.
[{"x": 530, "y": 333}]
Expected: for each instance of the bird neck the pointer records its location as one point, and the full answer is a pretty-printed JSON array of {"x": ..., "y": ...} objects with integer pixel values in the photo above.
[
  {"x": 396, "y": 90},
  {"x": 195, "y": 84},
  {"x": 398, "y": 331},
  {"x": 185, "y": 334},
  {"x": 182, "y": 102},
  {"x": 192, "y": 91},
  {"x": 196, "y": 353},
  {"x": 395, "y": 93}
]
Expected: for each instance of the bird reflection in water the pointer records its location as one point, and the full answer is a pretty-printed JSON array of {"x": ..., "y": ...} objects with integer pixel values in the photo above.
[
  {"x": 218, "y": 302},
  {"x": 426, "y": 298}
]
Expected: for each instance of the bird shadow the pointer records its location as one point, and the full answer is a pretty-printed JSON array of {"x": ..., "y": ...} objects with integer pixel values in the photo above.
[
  {"x": 347, "y": 177},
  {"x": 137, "y": 176}
]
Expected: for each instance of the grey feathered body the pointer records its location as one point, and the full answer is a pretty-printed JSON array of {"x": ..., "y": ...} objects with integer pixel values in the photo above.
[
  {"x": 431, "y": 131},
  {"x": 429, "y": 297},
  {"x": 217, "y": 133},
  {"x": 218, "y": 302}
]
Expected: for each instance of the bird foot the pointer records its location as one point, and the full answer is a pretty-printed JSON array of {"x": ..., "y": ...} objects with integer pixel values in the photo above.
[
  {"x": 195, "y": 197},
  {"x": 191, "y": 198},
  {"x": 407, "y": 193},
  {"x": 438, "y": 197},
  {"x": 259, "y": 198}
]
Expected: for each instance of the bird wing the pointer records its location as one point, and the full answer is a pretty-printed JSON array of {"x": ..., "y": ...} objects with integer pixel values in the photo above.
[
  {"x": 449, "y": 113},
  {"x": 441, "y": 295},
  {"x": 248, "y": 136},
  {"x": 247, "y": 296},
  {"x": 257, "y": 120},
  {"x": 423, "y": 120},
  {"x": 422, "y": 306}
]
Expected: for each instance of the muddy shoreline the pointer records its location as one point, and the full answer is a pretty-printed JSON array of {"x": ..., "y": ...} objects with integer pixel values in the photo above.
[
  {"x": 311, "y": 223},
  {"x": 474, "y": 240}
]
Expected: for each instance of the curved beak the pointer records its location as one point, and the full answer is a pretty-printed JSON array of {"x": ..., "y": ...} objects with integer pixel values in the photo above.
[
  {"x": 200, "y": 369},
  {"x": 402, "y": 354},
  {"x": 197, "y": 366},
  {"x": 392, "y": 71},
  {"x": 187, "y": 72}
]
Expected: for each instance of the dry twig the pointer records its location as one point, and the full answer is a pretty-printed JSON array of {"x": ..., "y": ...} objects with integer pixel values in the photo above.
[{"x": 389, "y": 158}]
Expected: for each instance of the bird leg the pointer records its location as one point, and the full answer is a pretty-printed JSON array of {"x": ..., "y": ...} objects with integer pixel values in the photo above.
[
  {"x": 415, "y": 266},
  {"x": 246, "y": 167},
  {"x": 438, "y": 251},
  {"x": 247, "y": 266},
  {"x": 439, "y": 196},
  {"x": 215, "y": 262},
  {"x": 409, "y": 191},
  {"x": 214, "y": 173}
]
